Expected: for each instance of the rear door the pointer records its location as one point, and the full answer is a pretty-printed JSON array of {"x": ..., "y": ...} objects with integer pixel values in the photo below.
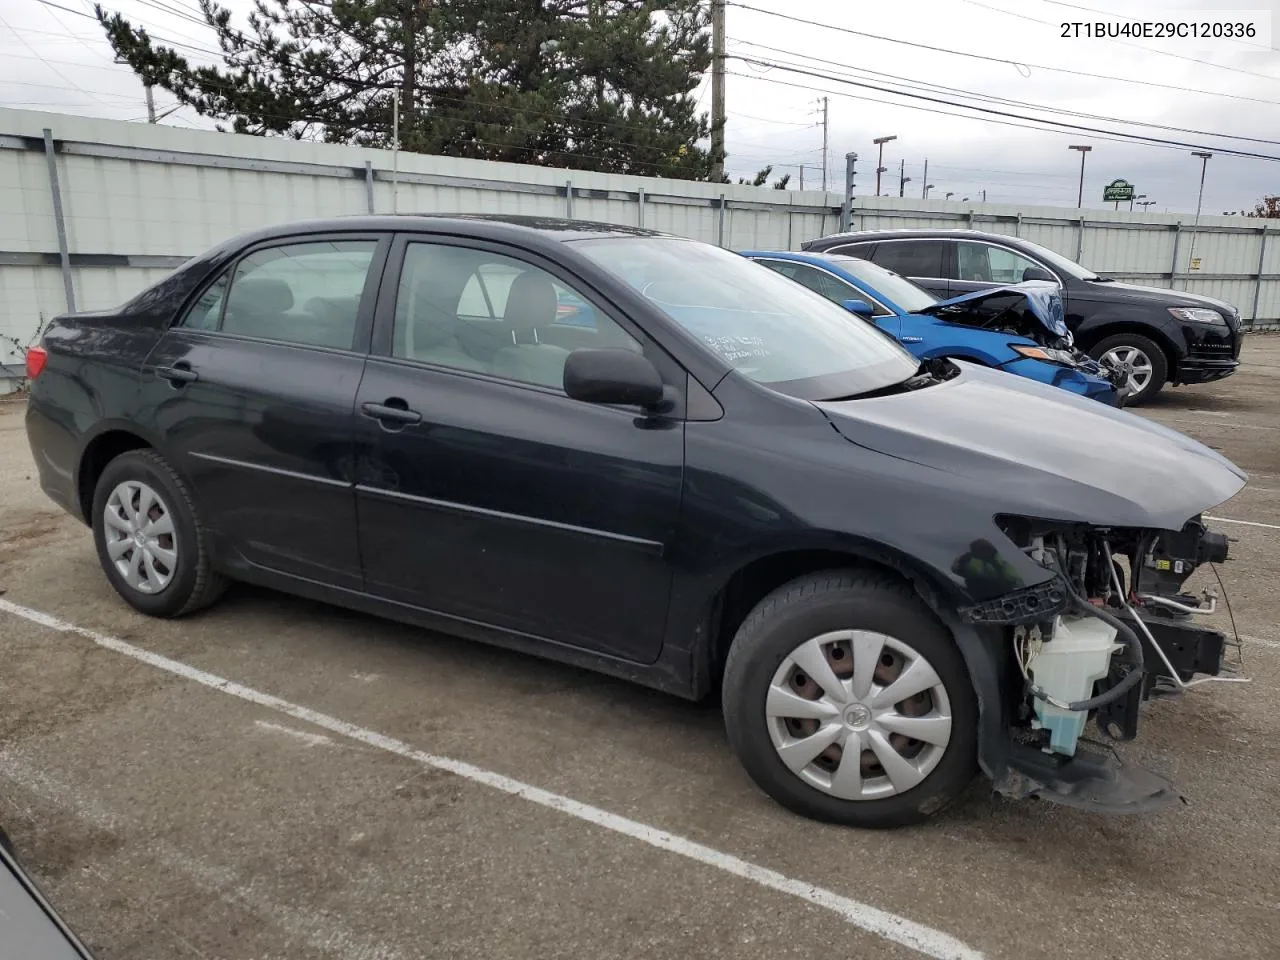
[
  {"x": 927, "y": 262},
  {"x": 487, "y": 494},
  {"x": 252, "y": 390},
  {"x": 836, "y": 290}
]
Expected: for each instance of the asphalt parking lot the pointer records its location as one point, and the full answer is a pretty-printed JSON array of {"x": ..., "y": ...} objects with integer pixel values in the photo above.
[{"x": 274, "y": 778}]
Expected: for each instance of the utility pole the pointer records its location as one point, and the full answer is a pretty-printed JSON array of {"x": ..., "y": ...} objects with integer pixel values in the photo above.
[
  {"x": 984, "y": 196},
  {"x": 1083, "y": 150},
  {"x": 151, "y": 102},
  {"x": 395, "y": 150},
  {"x": 924, "y": 189},
  {"x": 903, "y": 179},
  {"x": 802, "y": 176},
  {"x": 1204, "y": 165},
  {"x": 825, "y": 129},
  {"x": 717, "y": 90},
  {"x": 410, "y": 25},
  {"x": 880, "y": 167}
]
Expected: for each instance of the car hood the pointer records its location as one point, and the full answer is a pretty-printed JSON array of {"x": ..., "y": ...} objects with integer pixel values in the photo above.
[
  {"x": 1035, "y": 450},
  {"x": 1115, "y": 291},
  {"x": 1044, "y": 302}
]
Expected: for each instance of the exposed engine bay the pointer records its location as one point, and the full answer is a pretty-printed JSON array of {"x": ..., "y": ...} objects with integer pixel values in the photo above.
[
  {"x": 1113, "y": 628},
  {"x": 1033, "y": 310}
]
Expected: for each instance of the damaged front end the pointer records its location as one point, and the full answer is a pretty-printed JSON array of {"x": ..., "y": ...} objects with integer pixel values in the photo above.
[
  {"x": 1112, "y": 628},
  {"x": 1032, "y": 312}
]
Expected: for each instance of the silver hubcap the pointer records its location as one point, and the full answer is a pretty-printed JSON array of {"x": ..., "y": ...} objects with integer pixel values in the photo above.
[
  {"x": 858, "y": 714},
  {"x": 141, "y": 540},
  {"x": 1135, "y": 361}
]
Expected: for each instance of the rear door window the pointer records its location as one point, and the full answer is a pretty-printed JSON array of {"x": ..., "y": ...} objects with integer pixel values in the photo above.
[
  {"x": 307, "y": 293},
  {"x": 914, "y": 258}
]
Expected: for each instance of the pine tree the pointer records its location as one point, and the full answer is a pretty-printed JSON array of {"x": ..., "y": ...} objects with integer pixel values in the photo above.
[{"x": 586, "y": 84}]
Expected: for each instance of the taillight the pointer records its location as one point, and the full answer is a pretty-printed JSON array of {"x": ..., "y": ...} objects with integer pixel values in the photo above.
[{"x": 36, "y": 359}]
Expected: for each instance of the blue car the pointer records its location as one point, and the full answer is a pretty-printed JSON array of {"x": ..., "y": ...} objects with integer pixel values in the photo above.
[{"x": 1018, "y": 328}]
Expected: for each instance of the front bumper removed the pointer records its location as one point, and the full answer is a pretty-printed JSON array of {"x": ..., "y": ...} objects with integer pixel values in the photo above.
[{"x": 1095, "y": 778}]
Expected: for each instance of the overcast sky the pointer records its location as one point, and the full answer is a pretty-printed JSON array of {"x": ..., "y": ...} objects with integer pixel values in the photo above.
[{"x": 53, "y": 59}]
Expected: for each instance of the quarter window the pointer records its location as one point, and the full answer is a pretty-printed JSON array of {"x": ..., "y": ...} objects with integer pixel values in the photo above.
[
  {"x": 207, "y": 310},
  {"x": 475, "y": 310},
  {"x": 306, "y": 293},
  {"x": 982, "y": 262},
  {"x": 913, "y": 258}
]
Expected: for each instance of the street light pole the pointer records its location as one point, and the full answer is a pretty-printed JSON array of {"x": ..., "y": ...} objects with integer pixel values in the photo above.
[
  {"x": 880, "y": 168},
  {"x": 1083, "y": 150},
  {"x": 1141, "y": 196},
  {"x": 1204, "y": 165}
]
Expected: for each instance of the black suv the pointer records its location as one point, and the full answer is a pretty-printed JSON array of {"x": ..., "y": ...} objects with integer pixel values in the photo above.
[{"x": 1163, "y": 336}]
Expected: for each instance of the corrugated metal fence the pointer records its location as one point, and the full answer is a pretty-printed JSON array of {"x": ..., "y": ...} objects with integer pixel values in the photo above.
[{"x": 92, "y": 211}]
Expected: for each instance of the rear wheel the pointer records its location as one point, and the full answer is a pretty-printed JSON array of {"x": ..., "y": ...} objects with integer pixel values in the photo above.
[
  {"x": 1147, "y": 364},
  {"x": 150, "y": 541},
  {"x": 847, "y": 701}
]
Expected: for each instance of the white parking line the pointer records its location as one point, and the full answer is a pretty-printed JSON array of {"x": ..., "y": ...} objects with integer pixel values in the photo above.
[
  {"x": 1243, "y": 523},
  {"x": 1261, "y": 641},
  {"x": 923, "y": 939},
  {"x": 1219, "y": 426}
]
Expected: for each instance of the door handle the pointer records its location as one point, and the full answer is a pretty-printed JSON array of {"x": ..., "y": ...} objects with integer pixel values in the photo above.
[
  {"x": 394, "y": 410},
  {"x": 178, "y": 374}
]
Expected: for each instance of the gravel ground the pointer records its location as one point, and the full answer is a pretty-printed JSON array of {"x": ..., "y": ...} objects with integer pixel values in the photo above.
[{"x": 167, "y": 818}]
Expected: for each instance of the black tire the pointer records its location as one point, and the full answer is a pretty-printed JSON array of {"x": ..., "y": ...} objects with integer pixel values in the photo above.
[
  {"x": 839, "y": 600},
  {"x": 194, "y": 583},
  {"x": 1159, "y": 362}
]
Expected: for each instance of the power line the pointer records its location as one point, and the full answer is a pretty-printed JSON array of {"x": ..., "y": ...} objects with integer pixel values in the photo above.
[
  {"x": 934, "y": 110},
  {"x": 154, "y": 36},
  {"x": 74, "y": 86},
  {"x": 1018, "y": 65},
  {"x": 925, "y": 85},
  {"x": 1128, "y": 43},
  {"x": 1130, "y": 137}
]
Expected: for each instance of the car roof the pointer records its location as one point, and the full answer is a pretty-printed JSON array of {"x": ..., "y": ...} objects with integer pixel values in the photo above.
[
  {"x": 911, "y": 234},
  {"x": 480, "y": 225}
]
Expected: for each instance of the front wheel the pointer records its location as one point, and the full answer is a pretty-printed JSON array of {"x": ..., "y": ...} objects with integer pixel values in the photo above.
[
  {"x": 1147, "y": 365},
  {"x": 847, "y": 701}
]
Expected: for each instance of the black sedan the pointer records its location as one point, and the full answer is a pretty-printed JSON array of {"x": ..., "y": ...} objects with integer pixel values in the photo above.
[
  {"x": 1161, "y": 336},
  {"x": 651, "y": 457}
]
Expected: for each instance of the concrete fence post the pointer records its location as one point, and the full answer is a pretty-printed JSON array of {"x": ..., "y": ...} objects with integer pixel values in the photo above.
[
  {"x": 64, "y": 255},
  {"x": 720, "y": 223},
  {"x": 1257, "y": 286},
  {"x": 1080, "y": 239},
  {"x": 1173, "y": 267},
  {"x": 368, "y": 185},
  {"x": 568, "y": 199},
  {"x": 640, "y": 207}
]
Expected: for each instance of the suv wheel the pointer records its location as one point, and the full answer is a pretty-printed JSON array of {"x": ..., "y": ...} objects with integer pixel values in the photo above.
[
  {"x": 847, "y": 701},
  {"x": 1147, "y": 364},
  {"x": 149, "y": 537}
]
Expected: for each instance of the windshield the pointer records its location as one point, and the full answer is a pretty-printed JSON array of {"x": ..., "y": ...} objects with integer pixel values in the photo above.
[
  {"x": 905, "y": 294},
  {"x": 1059, "y": 262},
  {"x": 768, "y": 327}
]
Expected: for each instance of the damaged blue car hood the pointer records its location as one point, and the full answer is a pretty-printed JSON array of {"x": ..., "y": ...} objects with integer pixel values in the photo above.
[{"x": 1043, "y": 299}]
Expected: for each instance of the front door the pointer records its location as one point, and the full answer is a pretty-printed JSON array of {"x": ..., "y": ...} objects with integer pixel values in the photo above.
[
  {"x": 486, "y": 493},
  {"x": 252, "y": 392},
  {"x": 980, "y": 266}
]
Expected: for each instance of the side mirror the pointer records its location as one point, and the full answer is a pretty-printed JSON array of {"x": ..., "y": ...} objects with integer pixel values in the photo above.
[
  {"x": 1038, "y": 273},
  {"x": 858, "y": 307},
  {"x": 612, "y": 376}
]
